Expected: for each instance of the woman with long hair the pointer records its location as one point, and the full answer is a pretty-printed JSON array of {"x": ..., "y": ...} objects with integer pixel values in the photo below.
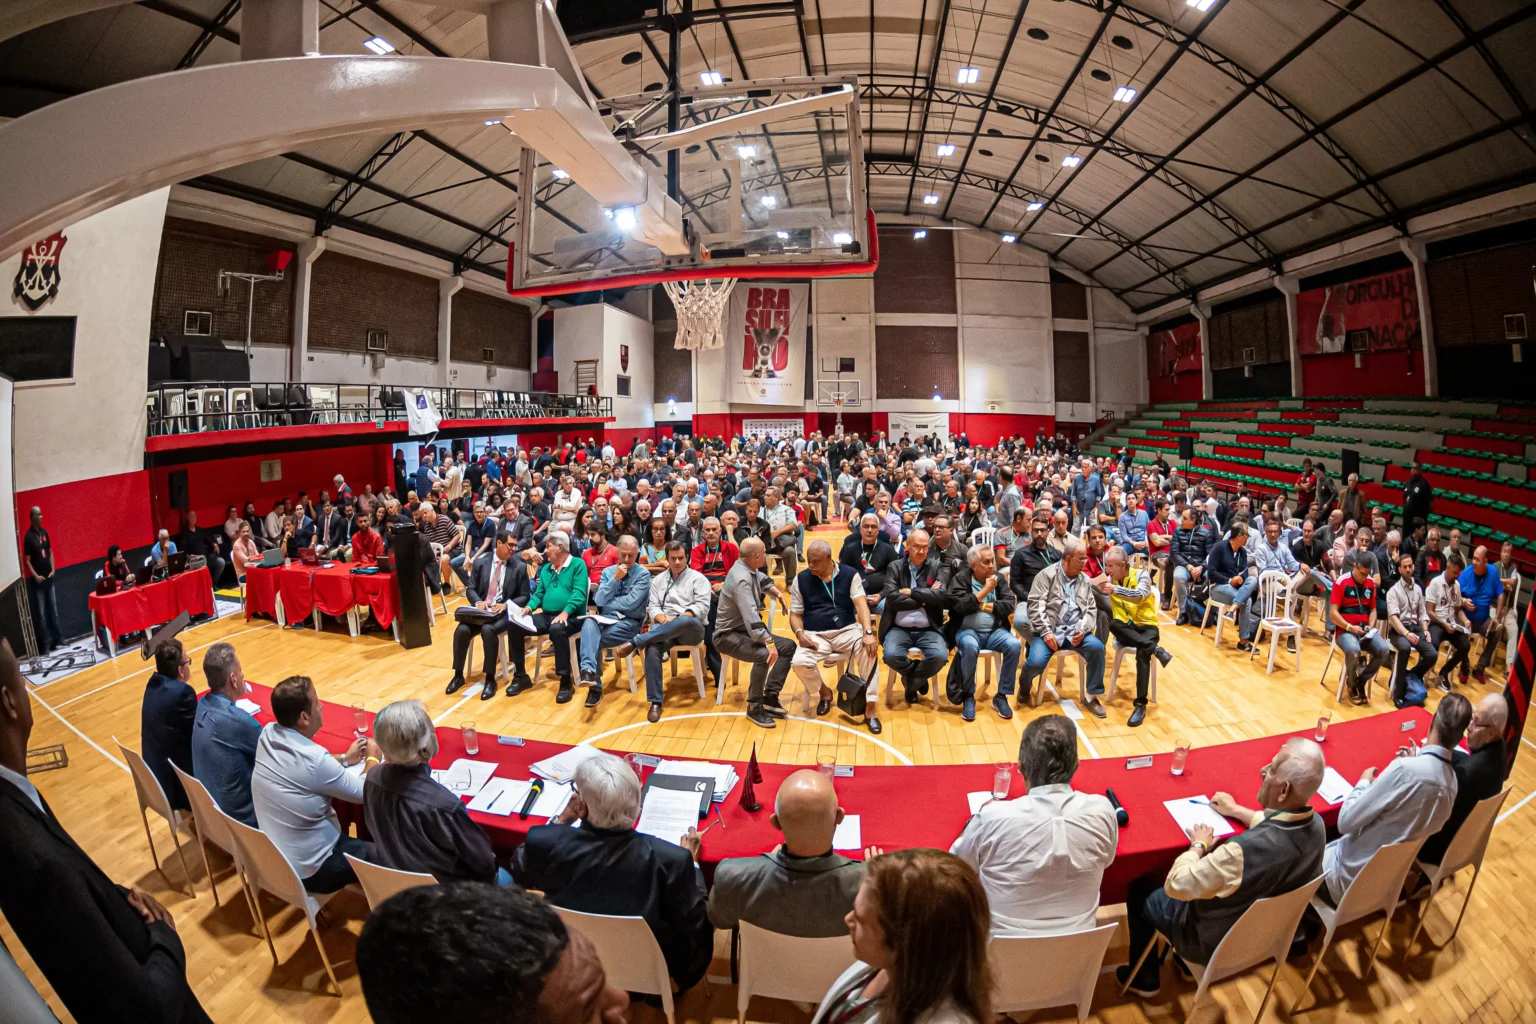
[
  {"x": 919, "y": 927},
  {"x": 972, "y": 518},
  {"x": 653, "y": 550}
]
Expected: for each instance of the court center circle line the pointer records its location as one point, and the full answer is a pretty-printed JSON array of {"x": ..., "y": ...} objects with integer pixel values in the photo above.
[{"x": 592, "y": 740}]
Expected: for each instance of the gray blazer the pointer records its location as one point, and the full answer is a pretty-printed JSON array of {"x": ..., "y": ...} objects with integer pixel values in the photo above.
[
  {"x": 1045, "y": 599},
  {"x": 806, "y": 897}
]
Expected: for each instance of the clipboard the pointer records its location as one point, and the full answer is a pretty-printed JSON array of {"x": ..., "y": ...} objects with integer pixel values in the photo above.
[{"x": 705, "y": 788}]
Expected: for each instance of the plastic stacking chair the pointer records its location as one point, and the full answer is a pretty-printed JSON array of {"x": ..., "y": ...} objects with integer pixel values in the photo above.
[
  {"x": 784, "y": 967},
  {"x": 629, "y": 952},
  {"x": 212, "y": 828},
  {"x": 22, "y": 1003},
  {"x": 153, "y": 798},
  {"x": 1466, "y": 850},
  {"x": 1274, "y": 617},
  {"x": 1039, "y": 973},
  {"x": 1263, "y": 933},
  {"x": 380, "y": 883},
  {"x": 268, "y": 869},
  {"x": 1111, "y": 684},
  {"x": 1375, "y": 889}
]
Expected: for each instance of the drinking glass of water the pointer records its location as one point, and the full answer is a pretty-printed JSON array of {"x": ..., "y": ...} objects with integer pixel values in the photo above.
[
  {"x": 471, "y": 739},
  {"x": 359, "y": 720},
  {"x": 1180, "y": 755},
  {"x": 1002, "y": 780},
  {"x": 1322, "y": 726},
  {"x": 827, "y": 765}
]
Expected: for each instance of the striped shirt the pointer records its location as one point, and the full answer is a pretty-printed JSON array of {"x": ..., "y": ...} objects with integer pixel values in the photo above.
[{"x": 1355, "y": 601}]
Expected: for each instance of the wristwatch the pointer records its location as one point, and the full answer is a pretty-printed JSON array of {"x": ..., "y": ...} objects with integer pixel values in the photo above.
[{"x": 869, "y": 632}]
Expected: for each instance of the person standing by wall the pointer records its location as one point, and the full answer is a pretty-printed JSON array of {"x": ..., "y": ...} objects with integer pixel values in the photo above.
[{"x": 37, "y": 548}]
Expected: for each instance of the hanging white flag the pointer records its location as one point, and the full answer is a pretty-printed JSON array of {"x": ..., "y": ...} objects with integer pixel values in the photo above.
[{"x": 421, "y": 418}]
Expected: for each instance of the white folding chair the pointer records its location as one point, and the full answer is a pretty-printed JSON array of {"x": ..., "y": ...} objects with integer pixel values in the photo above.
[
  {"x": 784, "y": 967},
  {"x": 212, "y": 828},
  {"x": 1274, "y": 599},
  {"x": 153, "y": 798},
  {"x": 1225, "y": 612},
  {"x": 1040, "y": 973},
  {"x": 1465, "y": 850},
  {"x": 1111, "y": 684},
  {"x": 380, "y": 883},
  {"x": 23, "y": 1004},
  {"x": 696, "y": 657},
  {"x": 1333, "y": 645},
  {"x": 1263, "y": 933},
  {"x": 983, "y": 535},
  {"x": 629, "y": 952},
  {"x": 268, "y": 869},
  {"x": 1036, "y": 696},
  {"x": 1374, "y": 890}
]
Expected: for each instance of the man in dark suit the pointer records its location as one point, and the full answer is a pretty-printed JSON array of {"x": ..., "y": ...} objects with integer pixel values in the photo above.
[
  {"x": 606, "y": 867},
  {"x": 110, "y": 952},
  {"x": 494, "y": 583},
  {"x": 165, "y": 725}
]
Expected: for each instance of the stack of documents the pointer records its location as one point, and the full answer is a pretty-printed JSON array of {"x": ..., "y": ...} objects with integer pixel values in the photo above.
[
  {"x": 507, "y": 796},
  {"x": 562, "y": 767},
  {"x": 668, "y": 813},
  {"x": 724, "y": 775},
  {"x": 465, "y": 777}
]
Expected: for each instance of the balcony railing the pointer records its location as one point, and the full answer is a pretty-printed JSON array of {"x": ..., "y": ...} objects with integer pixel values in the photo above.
[{"x": 191, "y": 407}]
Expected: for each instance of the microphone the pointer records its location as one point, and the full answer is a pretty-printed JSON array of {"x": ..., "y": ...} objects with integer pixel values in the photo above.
[
  {"x": 1121, "y": 814},
  {"x": 533, "y": 796}
]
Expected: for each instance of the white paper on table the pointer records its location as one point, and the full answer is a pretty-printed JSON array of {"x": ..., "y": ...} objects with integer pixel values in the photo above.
[
  {"x": 1071, "y": 710},
  {"x": 668, "y": 813},
  {"x": 519, "y": 617},
  {"x": 562, "y": 767},
  {"x": 723, "y": 775},
  {"x": 979, "y": 799},
  {"x": 553, "y": 800},
  {"x": 1334, "y": 787},
  {"x": 465, "y": 777},
  {"x": 501, "y": 796},
  {"x": 1190, "y": 811},
  {"x": 849, "y": 834},
  {"x": 249, "y": 706}
]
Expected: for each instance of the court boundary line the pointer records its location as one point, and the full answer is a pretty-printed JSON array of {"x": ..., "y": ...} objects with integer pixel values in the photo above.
[
  {"x": 863, "y": 735},
  {"x": 77, "y": 731},
  {"x": 150, "y": 668}
]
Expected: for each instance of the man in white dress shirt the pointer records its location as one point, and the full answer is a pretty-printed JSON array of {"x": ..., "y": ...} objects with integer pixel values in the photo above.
[
  {"x": 1410, "y": 799},
  {"x": 294, "y": 781},
  {"x": 1041, "y": 857}
]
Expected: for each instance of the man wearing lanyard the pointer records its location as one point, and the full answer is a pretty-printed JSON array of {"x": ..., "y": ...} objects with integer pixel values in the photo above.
[
  {"x": 829, "y": 616},
  {"x": 713, "y": 557},
  {"x": 677, "y": 608},
  {"x": 38, "y": 549},
  {"x": 915, "y": 601},
  {"x": 869, "y": 553}
]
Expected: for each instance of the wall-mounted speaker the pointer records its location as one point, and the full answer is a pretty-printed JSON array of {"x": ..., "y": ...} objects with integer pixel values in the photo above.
[
  {"x": 1351, "y": 459},
  {"x": 1186, "y": 448},
  {"x": 176, "y": 481}
]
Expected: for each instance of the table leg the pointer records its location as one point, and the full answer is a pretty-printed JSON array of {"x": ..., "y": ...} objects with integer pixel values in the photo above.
[
  {"x": 352, "y": 626},
  {"x": 394, "y": 627},
  {"x": 315, "y": 617},
  {"x": 277, "y": 608}
]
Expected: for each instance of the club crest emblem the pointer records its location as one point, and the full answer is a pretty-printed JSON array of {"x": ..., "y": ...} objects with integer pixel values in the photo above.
[{"x": 37, "y": 279}]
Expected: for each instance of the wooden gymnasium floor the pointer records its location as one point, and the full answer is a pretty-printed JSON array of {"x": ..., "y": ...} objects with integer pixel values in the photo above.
[{"x": 1487, "y": 974}]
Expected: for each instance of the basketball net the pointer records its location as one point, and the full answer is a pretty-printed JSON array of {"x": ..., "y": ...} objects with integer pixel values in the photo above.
[{"x": 699, "y": 305}]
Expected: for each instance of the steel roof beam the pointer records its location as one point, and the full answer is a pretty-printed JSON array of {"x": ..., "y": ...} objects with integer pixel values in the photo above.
[
  {"x": 997, "y": 77},
  {"x": 933, "y": 72}
]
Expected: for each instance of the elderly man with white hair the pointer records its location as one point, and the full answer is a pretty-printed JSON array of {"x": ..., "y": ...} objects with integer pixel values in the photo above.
[
  {"x": 983, "y": 606},
  {"x": 1210, "y": 887},
  {"x": 558, "y": 603},
  {"x": 829, "y": 617},
  {"x": 1062, "y": 615},
  {"x": 416, "y": 823},
  {"x": 606, "y": 867}
]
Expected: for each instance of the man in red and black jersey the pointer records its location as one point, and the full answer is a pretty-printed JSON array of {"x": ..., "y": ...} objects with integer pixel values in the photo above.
[{"x": 1352, "y": 613}]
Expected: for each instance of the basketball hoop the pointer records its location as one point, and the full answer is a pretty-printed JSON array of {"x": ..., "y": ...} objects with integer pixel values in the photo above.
[{"x": 699, "y": 306}]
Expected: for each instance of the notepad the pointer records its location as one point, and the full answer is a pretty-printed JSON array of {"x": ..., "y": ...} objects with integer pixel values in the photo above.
[
  {"x": 849, "y": 834},
  {"x": 562, "y": 767},
  {"x": 1334, "y": 787},
  {"x": 978, "y": 799},
  {"x": 520, "y": 618},
  {"x": 249, "y": 706},
  {"x": 723, "y": 775},
  {"x": 465, "y": 777},
  {"x": 605, "y": 620},
  {"x": 1196, "y": 810}
]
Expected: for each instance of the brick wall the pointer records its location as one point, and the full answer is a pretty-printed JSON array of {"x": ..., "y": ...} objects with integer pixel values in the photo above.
[
  {"x": 672, "y": 367},
  {"x": 352, "y": 296},
  {"x": 191, "y": 256},
  {"x": 481, "y": 322}
]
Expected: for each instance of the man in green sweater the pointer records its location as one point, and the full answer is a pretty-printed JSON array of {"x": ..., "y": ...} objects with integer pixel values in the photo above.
[{"x": 558, "y": 603}]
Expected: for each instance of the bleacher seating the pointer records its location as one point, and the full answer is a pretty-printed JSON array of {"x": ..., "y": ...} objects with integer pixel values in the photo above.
[{"x": 1479, "y": 456}]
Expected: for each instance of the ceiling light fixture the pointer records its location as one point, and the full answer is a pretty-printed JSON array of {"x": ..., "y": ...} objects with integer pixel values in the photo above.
[
  {"x": 919, "y": 235},
  {"x": 494, "y": 120},
  {"x": 1200, "y": 5},
  {"x": 1124, "y": 94},
  {"x": 711, "y": 77},
  {"x": 770, "y": 201},
  {"x": 624, "y": 218},
  {"x": 746, "y": 152},
  {"x": 968, "y": 76},
  {"x": 379, "y": 45},
  {"x": 931, "y": 199},
  {"x": 1010, "y": 239},
  {"x": 1035, "y": 207},
  {"x": 782, "y": 236},
  {"x": 560, "y": 174},
  {"x": 946, "y": 149},
  {"x": 1071, "y": 160}
]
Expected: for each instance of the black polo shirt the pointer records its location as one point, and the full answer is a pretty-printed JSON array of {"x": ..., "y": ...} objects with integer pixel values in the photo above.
[{"x": 39, "y": 551}]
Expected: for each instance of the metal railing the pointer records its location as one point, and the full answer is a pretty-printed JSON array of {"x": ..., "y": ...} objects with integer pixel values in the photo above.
[{"x": 191, "y": 407}]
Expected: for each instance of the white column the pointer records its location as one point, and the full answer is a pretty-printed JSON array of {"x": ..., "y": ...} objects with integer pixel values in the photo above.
[
  {"x": 1288, "y": 286},
  {"x": 1093, "y": 355},
  {"x": 279, "y": 28},
  {"x": 303, "y": 267},
  {"x": 1144, "y": 393},
  {"x": 447, "y": 288},
  {"x": 1203, "y": 314},
  {"x": 1414, "y": 250}
]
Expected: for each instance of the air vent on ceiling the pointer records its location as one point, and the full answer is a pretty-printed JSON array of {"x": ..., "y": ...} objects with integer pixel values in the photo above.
[
  {"x": 378, "y": 340},
  {"x": 198, "y": 324},
  {"x": 1514, "y": 327}
]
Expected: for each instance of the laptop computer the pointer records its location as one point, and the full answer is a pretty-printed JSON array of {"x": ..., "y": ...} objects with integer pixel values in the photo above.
[
  {"x": 309, "y": 556},
  {"x": 143, "y": 574},
  {"x": 106, "y": 585},
  {"x": 176, "y": 563},
  {"x": 271, "y": 558}
]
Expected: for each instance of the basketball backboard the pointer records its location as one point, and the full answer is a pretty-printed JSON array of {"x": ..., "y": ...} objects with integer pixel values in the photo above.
[{"x": 771, "y": 184}]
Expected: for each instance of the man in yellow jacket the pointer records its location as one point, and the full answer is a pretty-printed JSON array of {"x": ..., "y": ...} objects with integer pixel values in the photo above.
[{"x": 1133, "y": 620}]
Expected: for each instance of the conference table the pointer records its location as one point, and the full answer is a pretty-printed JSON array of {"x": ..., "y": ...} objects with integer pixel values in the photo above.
[
  {"x": 901, "y": 806},
  {"x": 140, "y": 607},
  {"x": 297, "y": 591}
]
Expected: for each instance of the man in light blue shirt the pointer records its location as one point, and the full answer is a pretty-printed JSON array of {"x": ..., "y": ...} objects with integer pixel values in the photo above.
[
  {"x": 1133, "y": 529},
  {"x": 622, "y": 594},
  {"x": 1482, "y": 586},
  {"x": 224, "y": 737},
  {"x": 164, "y": 548},
  {"x": 1086, "y": 490}
]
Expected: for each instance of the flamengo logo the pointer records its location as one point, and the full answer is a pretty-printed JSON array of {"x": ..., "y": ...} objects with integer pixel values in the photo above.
[
  {"x": 765, "y": 335},
  {"x": 37, "y": 279}
]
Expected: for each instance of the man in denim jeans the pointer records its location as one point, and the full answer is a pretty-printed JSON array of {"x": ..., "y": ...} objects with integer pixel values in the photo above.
[
  {"x": 1234, "y": 581},
  {"x": 1352, "y": 612}
]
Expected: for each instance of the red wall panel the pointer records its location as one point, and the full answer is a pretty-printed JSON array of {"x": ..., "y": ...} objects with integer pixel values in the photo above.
[
  {"x": 83, "y": 517},
  {"x": 1381, "y": 374},
  {"x": 988, "y": 428}
]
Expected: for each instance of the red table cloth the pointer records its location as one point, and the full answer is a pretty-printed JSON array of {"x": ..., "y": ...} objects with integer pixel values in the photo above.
[
  {"x": 334, "y": 591},
  {"x": 904, "y": 807},
  {"x": 136, "y": 608}
]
